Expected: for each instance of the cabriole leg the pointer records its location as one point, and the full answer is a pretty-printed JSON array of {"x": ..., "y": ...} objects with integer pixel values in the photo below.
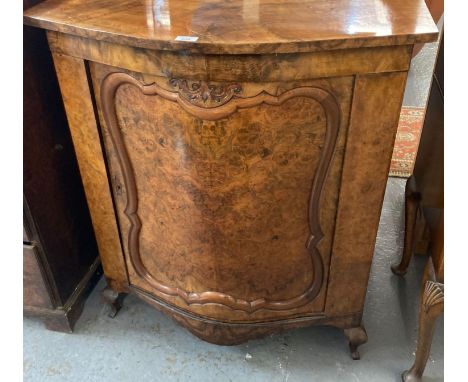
[
  {"x": 432, "y": 305},
  {"x": 356, "y": 337},
  {"x": 412, "y": 202}
]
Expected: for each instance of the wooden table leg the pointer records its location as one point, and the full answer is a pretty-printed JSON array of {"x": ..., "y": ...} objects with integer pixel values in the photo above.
[
  {"x": 412, "y": 203},
  {"x": 432, "y": 305}
]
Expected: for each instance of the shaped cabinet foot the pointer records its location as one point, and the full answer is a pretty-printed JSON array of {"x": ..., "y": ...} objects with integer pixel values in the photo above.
[
  {"x": 356, "y": 337},
  {"x": 113, "y": 300}
]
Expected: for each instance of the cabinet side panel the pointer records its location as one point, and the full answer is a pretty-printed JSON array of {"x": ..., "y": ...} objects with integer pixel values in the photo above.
[
  {"x": 35, "y": 290},
  {"x": 52, "y": 187},
  {"x": 74, "y": 86},
  {"x": 373, "y": 125}
]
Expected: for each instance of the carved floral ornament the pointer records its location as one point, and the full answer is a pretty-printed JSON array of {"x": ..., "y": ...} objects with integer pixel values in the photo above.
[{"x": 204, "y": 94}]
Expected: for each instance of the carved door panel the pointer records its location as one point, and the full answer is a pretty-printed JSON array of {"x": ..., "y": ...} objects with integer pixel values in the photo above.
[{"x": 225, "y": 193}]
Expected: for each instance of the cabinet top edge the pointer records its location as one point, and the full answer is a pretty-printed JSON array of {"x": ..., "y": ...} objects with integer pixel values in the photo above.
[{"x": 240, "y": 26}]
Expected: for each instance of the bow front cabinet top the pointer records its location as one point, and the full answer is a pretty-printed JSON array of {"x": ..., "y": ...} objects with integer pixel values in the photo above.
[{"x": 235, "y": 153}]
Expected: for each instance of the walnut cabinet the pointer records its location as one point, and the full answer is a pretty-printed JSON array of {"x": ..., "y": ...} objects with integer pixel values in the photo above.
[{"x": 235, "y": 154}]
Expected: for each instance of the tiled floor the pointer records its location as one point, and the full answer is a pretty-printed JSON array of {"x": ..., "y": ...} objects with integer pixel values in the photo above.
[{"x": 141, "y": 344}]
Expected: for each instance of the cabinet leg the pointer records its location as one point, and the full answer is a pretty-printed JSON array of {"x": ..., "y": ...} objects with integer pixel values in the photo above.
[
  {"x": 113, "y": 300},
  {"x": 64, "y": 321},
  {"x": 432, "y": 305},
  {"x": 356, "y": 337},
  {"x": 59, "y": 324},
  {"x": 412, "y": 202}
]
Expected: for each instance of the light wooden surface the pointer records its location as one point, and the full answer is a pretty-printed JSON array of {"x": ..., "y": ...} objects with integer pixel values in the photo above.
[
  {"x": 240, "y": 27},
  {"x": 71, "y": 73}
]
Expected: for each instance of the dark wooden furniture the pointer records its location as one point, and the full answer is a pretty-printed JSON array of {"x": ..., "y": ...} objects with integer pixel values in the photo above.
[
  {"x": 235, "y": 155},
  {"x": 425, "y": 195},
  {"x": 436, "y": 8},
  {"x": 60, "y": 258}
]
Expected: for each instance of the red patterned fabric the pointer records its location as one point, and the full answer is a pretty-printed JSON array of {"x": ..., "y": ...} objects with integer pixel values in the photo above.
[{"x": 407, "y": 141}]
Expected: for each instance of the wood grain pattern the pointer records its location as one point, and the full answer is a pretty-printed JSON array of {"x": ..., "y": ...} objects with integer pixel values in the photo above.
[
  {"x": 109, "y": 88},
  {"x": 241, "y": 162},
  {"x": 239, "y": 27},
  {"x": 227, "y": 333},
  {"x": 247, "y": 67},
  {"x": 71, "y": 73},
  {"x": 373, "y": 125},
  {"x": 340, "y": 87}
]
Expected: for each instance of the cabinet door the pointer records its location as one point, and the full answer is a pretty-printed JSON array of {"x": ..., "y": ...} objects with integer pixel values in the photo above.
[{"x": 226, "y": 193}]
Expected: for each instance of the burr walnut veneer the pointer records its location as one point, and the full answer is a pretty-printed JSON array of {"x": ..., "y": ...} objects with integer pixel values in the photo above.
[{"x": 235, "y": 153}]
